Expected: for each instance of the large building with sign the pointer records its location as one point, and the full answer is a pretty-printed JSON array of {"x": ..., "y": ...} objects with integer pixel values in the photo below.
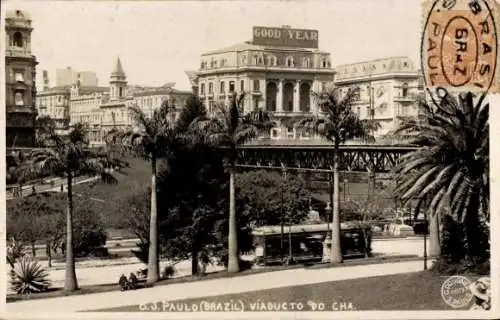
[
  {"x": 20, "y": 76},
  {"x": 389, "y": 89},
  {"x": 278, "y": 70}
]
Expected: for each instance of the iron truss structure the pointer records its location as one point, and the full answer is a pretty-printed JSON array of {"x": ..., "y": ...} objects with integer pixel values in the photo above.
[
  {"x": 360, "y": 158},
  {"x": 318, "y": 158}
]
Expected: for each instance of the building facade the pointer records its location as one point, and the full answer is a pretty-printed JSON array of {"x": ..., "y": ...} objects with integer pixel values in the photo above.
[
  {"x": 278, "y": 71},
  {"x": 69, "y": 76},
  {"x": 20, "y": 80},
  {"x": 388, "y": 90},
  {"x": 54, "y": 103},
  {"x": 106, "y": 108}
]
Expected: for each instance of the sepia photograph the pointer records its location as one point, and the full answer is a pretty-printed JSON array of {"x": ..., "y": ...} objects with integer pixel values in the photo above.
[{"x": 249, "y": 159}]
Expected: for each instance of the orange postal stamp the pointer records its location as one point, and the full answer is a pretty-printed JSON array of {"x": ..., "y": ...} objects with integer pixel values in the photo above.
[{"x": 459, "y": 48}]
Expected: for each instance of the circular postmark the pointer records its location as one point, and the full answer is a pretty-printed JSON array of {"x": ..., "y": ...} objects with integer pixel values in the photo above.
[
  {"x": 459, "y": 45},
  {"x": 455, "y": 291}
]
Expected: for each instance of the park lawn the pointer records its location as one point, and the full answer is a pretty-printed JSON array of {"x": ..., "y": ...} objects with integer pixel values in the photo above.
[
  {"x": 411, "y": 291},
  {"x": 110, "y": 199}
]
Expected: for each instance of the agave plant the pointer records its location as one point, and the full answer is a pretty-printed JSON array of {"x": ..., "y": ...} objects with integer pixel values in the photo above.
[{"x": 28, "y": 276}]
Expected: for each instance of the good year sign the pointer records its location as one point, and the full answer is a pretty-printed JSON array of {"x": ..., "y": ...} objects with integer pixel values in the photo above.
[{"x": 285, "y": 37}]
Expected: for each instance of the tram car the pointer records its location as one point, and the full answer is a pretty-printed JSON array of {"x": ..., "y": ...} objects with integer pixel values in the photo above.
[{"x": 306, "y": 242}]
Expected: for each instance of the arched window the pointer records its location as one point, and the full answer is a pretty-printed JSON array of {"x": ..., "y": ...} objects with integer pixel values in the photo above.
[
  {"x": 19, "y": 99},
  {"x": 289, "y": 61},
  {"x": 120, "y": 92},
  {"x": 305, "y": 62},
  {"x": 18, "y": 39},
  {"x": 324, "y": 63},
  {"x": 404, "y": 89}
]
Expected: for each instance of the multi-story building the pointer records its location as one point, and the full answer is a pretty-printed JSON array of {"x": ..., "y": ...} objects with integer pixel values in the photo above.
[
  {"x": 106, "y": 108},
  {"x": 54, "y": 103},
  {"x": 388, "y": 90},
  {"x": 20, "y": 76},
  {"x": 278, "y": 70},
  {"x": 68, "y": 76}
]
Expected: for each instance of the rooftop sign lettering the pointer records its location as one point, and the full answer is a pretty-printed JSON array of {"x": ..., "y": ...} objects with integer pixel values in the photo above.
[{"x": 285, "y": 37}]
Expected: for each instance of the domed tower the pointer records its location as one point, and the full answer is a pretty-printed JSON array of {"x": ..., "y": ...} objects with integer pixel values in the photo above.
[
  {"x": 117, "y": 82},
  {"x": 20, "y": 85}
]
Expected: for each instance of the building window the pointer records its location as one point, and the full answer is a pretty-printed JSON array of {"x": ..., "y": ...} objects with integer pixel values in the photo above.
[
  {"x": 289, "y": 62},
  {"x": 18, "y": 39},
  {"x": 231, "y": 86},
  {"x": 324, "y": 63},
  {"x": 19, "y": 99},
  {"x": 19, "y": 76},
  {"x": 256, "y": 105},
  {"x": 305, "y": 63},
  {"x": 359, "y": 111},
  {"x": 202, "y": 88},
  {"x": 242, "y": 85},
  {"x": 256, "y": 85},
  {"x": 255, "y": 60},
  {"x": 222, "y": 87},
  {"x": 271, "y": 61},
  {"x": 210, "y": 87},
  {"x": 404, "y": 90},
  {"x": 222, "y": 63},
  {"x": 120, "y": 92}
]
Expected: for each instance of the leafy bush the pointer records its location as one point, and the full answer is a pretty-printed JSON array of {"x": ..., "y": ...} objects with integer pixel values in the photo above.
[
  {"x": 223, "y": 260},
  {"x": 142, "y": 252},
  {"x": 28, "y": 276},
  {"x": 168, "y": 272},
  {"x": 15, "y": 250},
  {"x": 445, "y": 266}
]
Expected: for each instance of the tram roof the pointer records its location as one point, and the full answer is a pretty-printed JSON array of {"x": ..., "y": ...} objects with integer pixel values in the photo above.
[{"x": 301, "y": 228}]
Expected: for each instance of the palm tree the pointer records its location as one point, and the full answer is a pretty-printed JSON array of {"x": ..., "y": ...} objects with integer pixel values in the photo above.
[
  {"x": 451, "y": 167},
  {"x": 70, "y": 157},
  {"x": 155, "y": 138},
  {"x": 229, "y": 128},
  {"x": 337, "y": 123}
]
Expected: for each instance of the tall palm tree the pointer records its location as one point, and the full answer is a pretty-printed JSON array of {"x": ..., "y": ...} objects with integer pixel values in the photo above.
[
  {"x": 451, "y": 167},
  {"x": 70, "y": 157},
  {"x": 337, "y": 122},
  {"x": 230, "y": 128},
  {"x": 155, "y": 138}
]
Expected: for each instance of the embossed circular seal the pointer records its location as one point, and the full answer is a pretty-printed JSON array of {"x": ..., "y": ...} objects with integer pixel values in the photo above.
[
  {"x": 459, "y": 47},
  {"x": 455, "y": 291}
]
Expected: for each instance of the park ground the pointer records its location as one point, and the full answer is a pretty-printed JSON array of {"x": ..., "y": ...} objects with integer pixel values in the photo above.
[{"x": 388, "y": 286}]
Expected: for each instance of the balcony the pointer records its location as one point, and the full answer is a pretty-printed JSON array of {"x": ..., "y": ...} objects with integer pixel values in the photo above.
[
  {"x": 407, "y": 98},
  {"x": 290, "y": 113}
]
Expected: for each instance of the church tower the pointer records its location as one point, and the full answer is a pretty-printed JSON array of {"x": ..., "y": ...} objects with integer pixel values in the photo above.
[
  {"x": 20, "y": 84},
  {"x": 117, "y": 82}
]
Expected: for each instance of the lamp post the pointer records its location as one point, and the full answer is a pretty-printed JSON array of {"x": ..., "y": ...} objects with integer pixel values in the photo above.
[
  {"x": 282, "y": 218},
  {"x": 327, "y": 243},
  {"x": 345, "y": 184}
]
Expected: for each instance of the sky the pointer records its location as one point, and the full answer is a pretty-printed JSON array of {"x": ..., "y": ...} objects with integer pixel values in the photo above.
[{"x": 158, "y": 41}]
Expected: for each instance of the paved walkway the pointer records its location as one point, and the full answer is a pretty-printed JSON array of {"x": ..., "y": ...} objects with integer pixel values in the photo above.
[{"x": 277, "y": 279}]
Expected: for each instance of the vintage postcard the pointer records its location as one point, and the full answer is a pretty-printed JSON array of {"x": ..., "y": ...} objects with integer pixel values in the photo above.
[{"x": 250, "y": 159}]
